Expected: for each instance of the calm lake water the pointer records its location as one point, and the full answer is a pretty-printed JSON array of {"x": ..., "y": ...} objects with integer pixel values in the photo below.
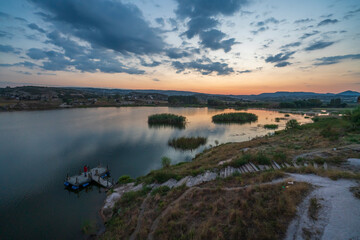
[{"x": 38, "y": 149}]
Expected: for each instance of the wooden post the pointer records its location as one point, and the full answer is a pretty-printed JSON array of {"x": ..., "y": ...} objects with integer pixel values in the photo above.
[{"x": 76, "y": 180}]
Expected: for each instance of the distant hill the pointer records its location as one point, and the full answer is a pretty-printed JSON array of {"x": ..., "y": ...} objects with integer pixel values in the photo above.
[
  {"x": 276, "y": 96},
  {"x": 349, "y": 93},
  {"x": 297, "y": 95},
  {"x": 127, "y": 91}
]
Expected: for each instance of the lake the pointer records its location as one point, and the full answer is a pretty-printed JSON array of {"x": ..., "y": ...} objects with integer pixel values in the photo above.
[{"x": 38, "y": 149}]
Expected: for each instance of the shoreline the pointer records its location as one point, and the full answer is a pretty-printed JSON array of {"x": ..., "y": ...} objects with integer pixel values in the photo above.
[{"x": 324, "y": 157}]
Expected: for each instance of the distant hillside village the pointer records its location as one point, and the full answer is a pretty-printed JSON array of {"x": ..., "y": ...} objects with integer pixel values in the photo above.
[{"x": 37, "y": 98}]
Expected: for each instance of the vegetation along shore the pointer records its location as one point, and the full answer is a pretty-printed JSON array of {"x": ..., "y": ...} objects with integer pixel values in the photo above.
[
  {"x": 187, "y": 143},
  {"x": 246, "y": 190}
]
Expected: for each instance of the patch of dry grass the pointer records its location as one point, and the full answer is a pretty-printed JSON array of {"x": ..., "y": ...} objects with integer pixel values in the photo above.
[{"x": 261, "y": 212}]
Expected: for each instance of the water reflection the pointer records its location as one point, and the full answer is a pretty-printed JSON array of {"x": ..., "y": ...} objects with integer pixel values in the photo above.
[
  {"x": 164, "y": 125},
  {"x": 38, "y": 149}
]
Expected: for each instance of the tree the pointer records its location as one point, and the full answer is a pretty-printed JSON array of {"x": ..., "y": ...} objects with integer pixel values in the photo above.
[
  {"x": 292, "y": 124},
  {"x": 336, "y": 102},
  {"x": 165, "y": 162}
]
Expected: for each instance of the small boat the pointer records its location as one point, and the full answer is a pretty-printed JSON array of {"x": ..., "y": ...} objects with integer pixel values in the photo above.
[{"x": 82, "y": 180}]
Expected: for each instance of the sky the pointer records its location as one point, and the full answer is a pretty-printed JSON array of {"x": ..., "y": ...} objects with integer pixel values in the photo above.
[{"x": 209, "y": 46}]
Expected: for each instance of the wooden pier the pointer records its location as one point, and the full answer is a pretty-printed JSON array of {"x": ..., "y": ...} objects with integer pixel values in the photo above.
[{"x": 97, "y": 174}]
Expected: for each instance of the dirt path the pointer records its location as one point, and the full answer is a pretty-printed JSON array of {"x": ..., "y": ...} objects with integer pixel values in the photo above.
[
  {"x": 327, "y": 152},
  {"x": 339, "y": 212}
]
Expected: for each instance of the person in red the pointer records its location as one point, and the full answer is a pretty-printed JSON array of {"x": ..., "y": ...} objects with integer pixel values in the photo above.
[{"x": 85, "y": 170}]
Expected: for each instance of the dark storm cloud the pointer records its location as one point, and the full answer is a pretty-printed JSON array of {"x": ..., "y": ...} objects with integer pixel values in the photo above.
[
  {"x": 206, "y": 8},
  {"x": 205, "y": 67},
  {"x": 23, "y": 72},
  {"x": 245, "y": 71},
  {"x": 268, "y": 43},
  {"x": 26, "y": 64},
  {"x": 198, "y": 24},
  {"x": 176, "y": 53},
  {"x": 306, "y": 35},
  {"x": 336, "y": 59},
  {"x": 152, "y": 64},
  {"x": 36, "y": 53},
  {"x": 327, "y": 21},
  {"x": 8, "y": 49},
  {"x": 84, "y": 62},
  {"x": 304, "y": 20},
  {"x": 213, "y": 39},
  {"x": 262, "y": 29},
  {"x": 36, "y": 27},
  {"x": 354, "y": 11},
  {"x": 262, "y": 25},
  {"x": 351, "y": 14},
  {"x": 279, "y": 57},
  {"x": 202, "y": 20},
  {"x": 108, "y": 24},
  {"x": 318, "y": 45},
  {"x": 327, "y": 16},
  {"x": 173, "y": 23},
  {"x": 294, "y": 44},
  {"x": 265, "y": 22},
  {"x": 46, "y": 74},
  {"x": 56, "y": 62},
  {"x": 70, "y": 47},
  {"x": 160, "y": 21},
  {"x": 282, "y": 64},
  {"x": 4, "y": 34}
]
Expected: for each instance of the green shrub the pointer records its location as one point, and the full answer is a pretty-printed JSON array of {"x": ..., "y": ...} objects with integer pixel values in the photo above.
[
  {"x": 354, "y": 117},
  {"x": 130, "y": 197},
  {"x": 185, "y": 143},
  {"x": 262, "y": 159},
  {"x": 292, "y": 124},
  {"x": 162, "y": 191},
  {"x": 167, "y": 119},
  {"x": 162, "y": 176},
  {"x": 259, "y": 158},
  {"x": 88, "y": 227},
  {"x": 279, "y": 156},
  {"x": 330, "y": 133},
  {"x": 238, "y": 162},
  {"x": 234, "y": 118},
  {"x": 125, "y": 179},
  {"x": 271, "y": 126},
  {"x": 165, "y": 162}
]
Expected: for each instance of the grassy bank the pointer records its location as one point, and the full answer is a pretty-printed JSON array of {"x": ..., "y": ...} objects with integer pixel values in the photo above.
[
  {"x": 234, "y": 118},
  {"x": 225, "y": 208},
  {"x": 283, "y": 146},
  {"x": 216, "y": 210}
]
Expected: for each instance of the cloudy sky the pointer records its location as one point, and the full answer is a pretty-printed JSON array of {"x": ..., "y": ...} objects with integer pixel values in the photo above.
[{"x": 212, "y": 46}]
